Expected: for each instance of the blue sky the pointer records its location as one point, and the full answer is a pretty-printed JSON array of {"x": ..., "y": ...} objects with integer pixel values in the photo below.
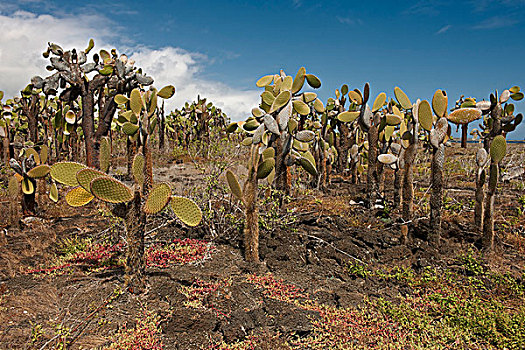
[{"x": 469, "y": 47}]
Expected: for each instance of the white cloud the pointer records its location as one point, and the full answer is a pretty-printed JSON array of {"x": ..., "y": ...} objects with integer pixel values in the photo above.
[
  {"x": 444, "y": 29},
  {"x": 25, "y": 36}
]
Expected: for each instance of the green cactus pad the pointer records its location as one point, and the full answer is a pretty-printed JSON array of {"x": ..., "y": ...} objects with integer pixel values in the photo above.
[
  {"x": 121, "y": 99},
  {"x": 104, "y": 155},
  {"x": 234, "y": 185},
  {"x": 309, "y": 97},
  {"x": 280, "y": 101},
  {"x": 301, "y": 107},
  {"x": 308, "y": 166},
  {"x": 298, "y": 81},
  {"x": 232, "y": 127},
  {"x": 305, "y": 135},
  {"x": 70, "y": 117},
  {"x": 498, "y": 148},
  {"x": 247, "y": 141},
  {"x": 517, "y": 96},
  {"x": 138, "y": 168},
  {"x": 308, "y": 155},
  {"x": 186, "y": 210},
  {"x": 292, "y": 125},
  {"x": 348, "y": 117},
  {"x": 86, "y": 175},
  {"x": 66, "y": 172},
  {"x": 355, "y": 97},
  {"x": 299, "y": 146},
  {"x": 481, "y": 157},
  {"x": 313, "y": 81},
  {"x": 250, "y": 125},
  {"x": 78, "y": 196},
  {"x": 27, "y": 186},
  {"x": 267, "y": 97},
  {"x": 44, "y": 153},
  {"x": 257, "y": 113},
  {"x": 129, "y": 128},
  {"x": 265, "y": 167},
  {"x": 13, "y": 188},
  {"x": 392, "y": 119},
  {"x": 268, "y": 153},
  {"x": 318, "y": 106},
  {"x": 402, "y": 98},
  {"x": 31, "y": 152},
  {"x": 110, "y": 190},
  {"x": 464, "y": 115},
  {"x": 287, "y": 83},
  {"x": 425, "y": 115},
  {"x": 53, "y": 192},
  {"x": 166, "y": 92},
  {"x": 158, "y": 198},
  {"x": 135, "y": 102},
  {"x": 379, "y": 102},
  {"x": 440, "y": 103},
  {"x": 39, "y": 171},
  {"x": 266, "y": 80}
]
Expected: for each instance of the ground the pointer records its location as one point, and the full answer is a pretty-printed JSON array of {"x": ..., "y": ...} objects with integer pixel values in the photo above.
[{"x": 333, "y": 274}]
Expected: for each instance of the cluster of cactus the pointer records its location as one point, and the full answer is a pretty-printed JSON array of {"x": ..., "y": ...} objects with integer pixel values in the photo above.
[
  {"x": 276, "y": 143},
  {"x": 88, "y": 183}
]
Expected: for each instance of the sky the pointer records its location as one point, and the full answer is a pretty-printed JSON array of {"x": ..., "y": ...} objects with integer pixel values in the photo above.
[{"x": 219, "y": 49}]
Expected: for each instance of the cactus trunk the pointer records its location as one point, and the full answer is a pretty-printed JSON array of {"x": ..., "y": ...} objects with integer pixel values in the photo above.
[
  {"x": 148, "y": 167},
  {"x": 480, "y": 196},
  {"x": 487, "y": 240},
  {"x": 135, "y": 220},
  {"x": 29, "y": 202},
  {"x": 282, "y": 171},
  {"x": 464, "y": 129},
  {"x": 436, "y": 196},
  {"x": 251, "y": 228},
  {"x": 397, "y": 188},
  {"x": 371, "y": 177},
  {"x": 88, "y": 127},
  {"x": 344, "y": 147},
  {"x": 408, "y": 179}
]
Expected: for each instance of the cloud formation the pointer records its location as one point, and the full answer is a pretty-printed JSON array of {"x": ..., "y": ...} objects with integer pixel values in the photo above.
[
  {"x": 444, "y": 29},
  {"x": 25, "y": 36}
]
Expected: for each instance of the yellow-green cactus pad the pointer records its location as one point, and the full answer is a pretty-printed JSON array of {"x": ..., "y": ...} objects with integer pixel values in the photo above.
[
  {"x": 250, "y": 125},
  {"x": 387, "y": 158},
  {"x": 267, "y": 97},
  {"x": 287, "y": 83},
  {"x": 137, "y": 168},
  {"x": 299, "y": 146},
  {"x": 301, "y": 107},
  {"x": 308, "y": 166},
  {"x": 309, "y": 96},
  {"x": 402, "y": 98},
  {"x": 464, "y": 115},
  {"x": 498, "y": 148},
  {"x": 166, "y": 92},
  {"x": 66, "y": 172},
  {"x": 13, "y": 188},
  {"x": 257, "y": 113},
  {"x": 247, "y": 141},
  {"x": 265, "y": 168},
  {"x": 355, "y": 97},
  {"x": 298, "y": 81},
  {"x": 266, "y": 80},
  {"x": 186, "y": 210},
  {"x": 379, "y": 102},
  {"x": 110, "y": 190},
  {"x": 305, "y": 135},
  {"x": 27, "y": 186},
  {"x": 425, "y": 115},
  {"x": 104, "y": 155},
  {"x": 129, "y": 128},
  {"x": 308, "y": 155},
  {"x": 313, "y": 81},
  {"x": 31, "y": 152},
  {"x": 280, "y": 101},
  {"x": 319, "y": 106},
  {"x": 77, "y": 197},
  {"x": 234, "y": 185},
  {"x": 39, "y": 171},
  {"x": 268, "y": 153},
  {"x": 121, "y": 99},
  {"x": 135, "y": 102},
  {"x": 44, "y": 153},
  {"x": 348, "y": 117},
  {"x": 392, "y": 119},
  {"x": 53, "y": 192},
  {"x": 440, "y": 103},
  {"x": 158, "y": 198},
  {"x": 86, "y": 175},
  {"x": 232, "y": 127}
]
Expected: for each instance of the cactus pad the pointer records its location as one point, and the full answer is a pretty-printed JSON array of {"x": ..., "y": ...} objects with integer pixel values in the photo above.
[
  {"x": 271, "y": 124},
  {"x": 44, "y": 153},
  {"x": 280, "y": 101},
  {"x": 13, "y": 188},
  {"x": 440, "y": 103},
  {"x": 265, "y": 168},
  {"x": 77, "y": 197},
  {"x": 464, "y": 115},
  {"x": 27, "y": 186},
  {"x": 387, "y": 158},
  {"x": 498, "y": 148},
  {"x": 121, "y": 99},
  {"x": 234, "y": 184},
  {"x": 425, "y": 115},
  {"x": 318, "y": 106},
  {"x": 284, "y": 116},
  {"x": 305, "y": 135},
  {"x": 166, "y": 92},
  {"x": 86, "y": 175},
  {"x": 308, "y": 166},
  {"x": 313, "y": 81},
  {"x": 301, "y": 107},
  {"x": 31, "y": 152},
  {"x": 402, "y": 98},
  {"x": 393, "y": 120},
  {"x": 104, "y": 155},
  {"x": 66, "y": 172},
  {"x": 481, "y": 157},
  {"x": 39, "y": 171},
  {"x": 268, "y": 153},
  {"x": 138, "y": 168},
  {"x": 379, "y": 102},
  {"x": 53, "y": 192},
  {"x": 266, "y": 80},
  {"x": 158, "y": 198},
  {"x": 110, "y": 190},
  {"x": 129, "y": 128},
  {"x": 298, "y": 81},
  {"x": 186, "y": 210},
  {"x": 135, "y": 102},
  {"x": 348, "y": 117}
]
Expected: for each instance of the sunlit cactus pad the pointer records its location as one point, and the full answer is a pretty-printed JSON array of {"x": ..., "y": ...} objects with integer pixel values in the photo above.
[
  {"x": 39, "y": 171},
  {"x": 13, "y": 188},
  {"x": 78, "y": 196},
  {"x": 111, "y": 190},
  {"x": 138, "y": 168},
  {"x": 498, "y": 148},
  {"x": 186, "y": 210},
  {"x": 86, "y": 175},
  {"x": 464, "y": 115},
  {"x": 158, "y": 198},
  {"x": 66, "y": 172}
]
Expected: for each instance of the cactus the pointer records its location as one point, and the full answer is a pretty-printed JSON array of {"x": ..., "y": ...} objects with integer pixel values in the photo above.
[{"x": 464, "y": 115}]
